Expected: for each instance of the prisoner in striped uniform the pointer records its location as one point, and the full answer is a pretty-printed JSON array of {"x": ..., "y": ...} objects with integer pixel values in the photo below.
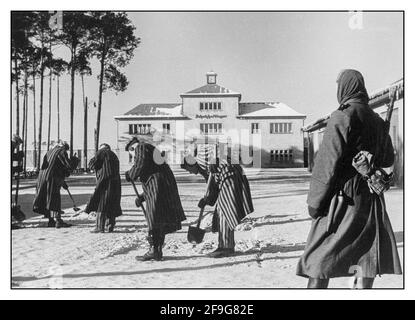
[
  {"x": 106, "y": 199},
  {"x": 228, "y": 191},
  {"x": 164, "y": 211},
  {"x": 55, "y": 167}
]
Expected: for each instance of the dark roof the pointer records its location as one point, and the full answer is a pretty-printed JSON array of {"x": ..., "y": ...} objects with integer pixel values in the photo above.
[
  {"x": 248, "y": 107},
  {"x": 211, "y": 89},
  {"x": 150, "y": 109}
]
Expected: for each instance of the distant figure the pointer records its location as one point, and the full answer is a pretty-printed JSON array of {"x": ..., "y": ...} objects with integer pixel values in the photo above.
[
  {"x": 17, "y": 157},
  {"x": 164, "y": 211},
  {"x": 56, "y": 166},
  {"x": 228, "y": 191},
  {"x": 106, "y": 198},
  {"x": 351, "y": 232}
]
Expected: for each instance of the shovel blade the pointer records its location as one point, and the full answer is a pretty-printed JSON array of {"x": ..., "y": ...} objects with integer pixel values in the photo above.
[
  {"x": 195, "y": 235},
  {"x": 76, "y": 209}
]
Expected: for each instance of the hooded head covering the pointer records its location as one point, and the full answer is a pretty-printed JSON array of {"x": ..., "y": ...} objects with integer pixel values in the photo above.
[
  {"x": 64, "y": 145},
  {"x": 105, "y": 146},
  {"x": 130, "y": 143},
  {"x": 351, "y": 87}
]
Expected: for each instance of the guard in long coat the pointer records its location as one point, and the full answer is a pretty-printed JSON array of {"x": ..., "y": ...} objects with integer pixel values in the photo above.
[
  {"x": 106, "y": 198},
  {"x": 361, "y": 239},
  {"x": 228, "y": 191},
  {"x": 56, "y": 166},
  {"x": 164, "y": 211}
]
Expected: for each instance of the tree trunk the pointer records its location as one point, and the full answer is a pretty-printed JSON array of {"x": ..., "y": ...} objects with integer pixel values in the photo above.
[
  {"x": 39, "y": 149},
  {"x": 83, "y": 88},
  {"x": 50, "y": 107},
  {"x": 85, "y": 102},
  {"x": 17, "y": 96},
  {"x": 72, "y": 100},
  {"x": 57, "y": 104},
  {"x": 34, "y": 121},
  {"x": 101, "y": 82},
  {"x": 26, "y": 121},
  {"x": 86, "y": 134}
]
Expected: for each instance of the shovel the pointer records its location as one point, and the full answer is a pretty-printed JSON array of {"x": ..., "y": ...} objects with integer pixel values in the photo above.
[
  {"x": 75, "y": 208},
  {"x": 195, "y": 234},
  {"x": 138, "y": 196}
]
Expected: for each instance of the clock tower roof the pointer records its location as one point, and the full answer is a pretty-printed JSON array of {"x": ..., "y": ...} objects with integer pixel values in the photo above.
[{"x": 211, "y": 88}]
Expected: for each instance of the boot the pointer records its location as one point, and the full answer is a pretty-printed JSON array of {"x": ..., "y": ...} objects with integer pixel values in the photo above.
[
  {"x": 156, "y": 241},
  {"x": 364, "y": 283},
  {"x": 51, "y": 223},
  {"x": 100, "y": 223},
  {"x": 111, "y": 224},
  {"x": 222, "y": 253},
  {"x": 62, "y": 224},
  {"x": 160, "y": 244},
  {"x": 150, "y": 254},
  {"x": 59, "y": 222},
  {"x": 314, "y": 283}
]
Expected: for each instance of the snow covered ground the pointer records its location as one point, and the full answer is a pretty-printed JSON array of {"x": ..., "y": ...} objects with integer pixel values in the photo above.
[{"x": 269, "y": 243}]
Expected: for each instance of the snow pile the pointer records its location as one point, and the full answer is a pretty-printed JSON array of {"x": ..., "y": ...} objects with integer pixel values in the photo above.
[{"x": 122, "y": 245}]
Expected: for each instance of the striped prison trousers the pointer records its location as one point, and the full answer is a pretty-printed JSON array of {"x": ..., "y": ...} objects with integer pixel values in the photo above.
[{"x": 226, "y": 234}]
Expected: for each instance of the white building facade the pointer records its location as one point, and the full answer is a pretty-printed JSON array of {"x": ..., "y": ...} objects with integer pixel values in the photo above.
[{"x": 269, "y": 132}]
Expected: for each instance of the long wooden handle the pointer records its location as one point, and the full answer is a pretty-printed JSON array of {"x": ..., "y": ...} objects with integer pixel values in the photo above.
[
  {"x": 135, "y": 188},
  {"x": 208, "y": 185},
  {"x": 199, "y": 221},
  {"x": 70, "y": 195},
  {"x": 391, "y": 104},
  {"x": 138, "y": 196}
]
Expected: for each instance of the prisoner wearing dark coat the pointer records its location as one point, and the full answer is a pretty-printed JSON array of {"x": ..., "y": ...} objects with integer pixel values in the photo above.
[
  {"x": 164, "y": 211},
  {"x": 362, "y": 238},
  {"x": 55, "y": 167},
  {"x": 233, "y": 199},
  {"x": 107, "y": 194},
  {"x": 230, "y": 189}
]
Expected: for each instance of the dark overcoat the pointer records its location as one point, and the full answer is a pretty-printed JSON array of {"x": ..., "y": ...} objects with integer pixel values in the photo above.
[
  {"x": 362, "y": 240},
  {"x": 164, "y": 209},
  {"x": 107, "y": 194},
  {"x": 55, "y": 167}
]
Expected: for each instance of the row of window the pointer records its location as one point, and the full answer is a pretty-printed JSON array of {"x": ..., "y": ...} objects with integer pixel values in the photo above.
[
  {"x": 206, "y": 128},
  {"x": 210, "y": 106},
  {"x": 281, "y": 128},
  {"x": 146, "y": 128},
  {"x": 281, "y": 155},
  {"x": 275, "y": 128},
  {"x": 139, "y": 128}
]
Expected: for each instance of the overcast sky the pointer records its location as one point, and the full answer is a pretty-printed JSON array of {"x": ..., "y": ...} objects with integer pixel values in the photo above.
[{"x": 289, "y": 57}]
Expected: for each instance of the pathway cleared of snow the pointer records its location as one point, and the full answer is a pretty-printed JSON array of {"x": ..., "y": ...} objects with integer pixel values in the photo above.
[{"x": 269, "y": 243}]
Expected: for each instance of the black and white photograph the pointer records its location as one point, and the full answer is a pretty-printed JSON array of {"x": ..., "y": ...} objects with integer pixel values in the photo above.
[{"x": 207, "y": 149}]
